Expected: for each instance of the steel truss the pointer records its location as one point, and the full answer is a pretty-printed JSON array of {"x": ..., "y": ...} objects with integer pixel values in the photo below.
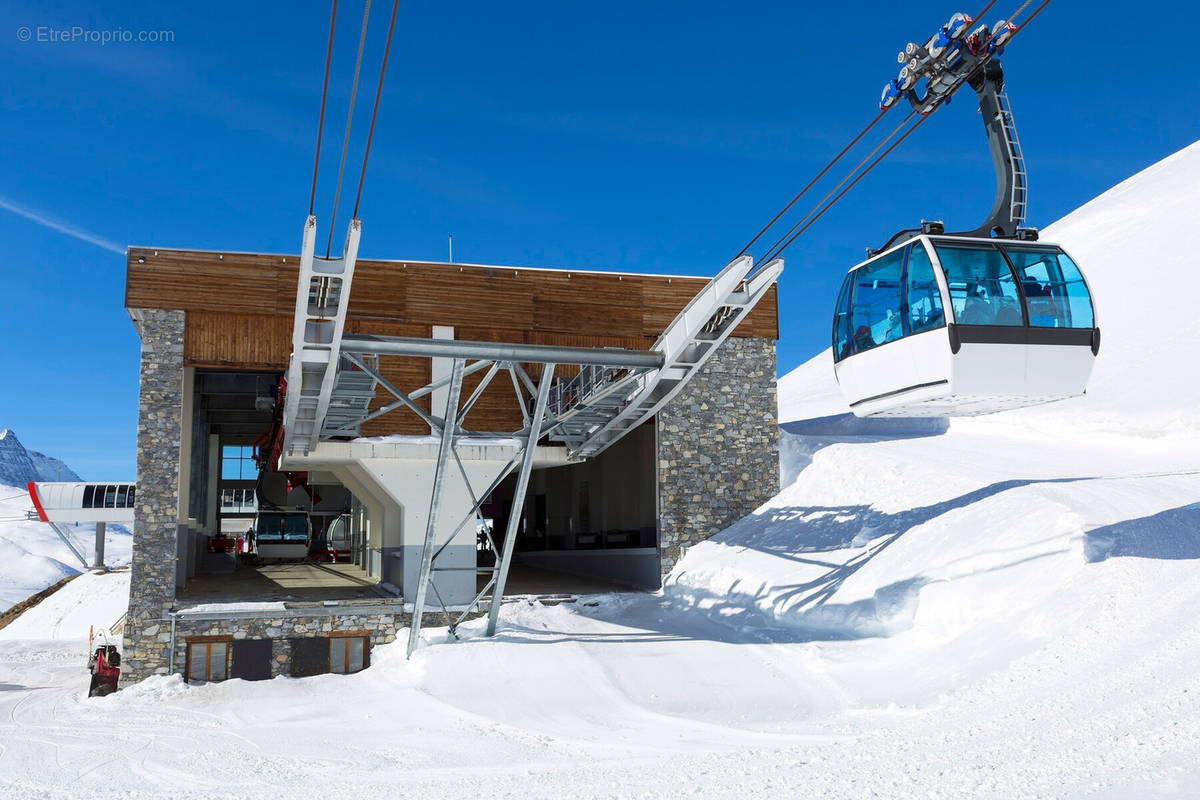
[
  {"x": 333, "y": 379},
  {"x": 537, "y": 418}
]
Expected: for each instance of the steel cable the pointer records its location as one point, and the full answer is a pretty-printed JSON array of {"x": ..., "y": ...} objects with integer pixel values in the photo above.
[
  {"x": 337, "y": 194},
  {"x": 834, "y": 161},
  {"x": 312, "y": 197},
  {"x": 375, "y": 111},
  {"x": 772, "y": 250},
  {"x": 818, "y": 211}
]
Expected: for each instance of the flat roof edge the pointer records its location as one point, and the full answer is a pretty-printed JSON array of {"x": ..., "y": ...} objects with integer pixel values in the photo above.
[{"x": 130, "y": 252}]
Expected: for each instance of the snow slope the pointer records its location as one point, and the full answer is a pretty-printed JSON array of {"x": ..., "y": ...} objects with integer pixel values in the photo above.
[
  {"x": 32, "y": 555},
  {"x": 1003, "y": 608},
  {"x": 1136, "y": 246}
]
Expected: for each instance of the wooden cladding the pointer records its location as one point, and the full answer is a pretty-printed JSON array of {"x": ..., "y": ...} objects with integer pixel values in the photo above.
[
  {"x": 507, "y": 298},
  {"x": 240, "y": 306},
  {"x": 237, "y": 341}
]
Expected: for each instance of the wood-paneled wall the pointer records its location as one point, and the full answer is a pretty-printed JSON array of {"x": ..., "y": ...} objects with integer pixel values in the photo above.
[
  {"x": 240, "y": 314},
  {"x": 557, "y": 301}
]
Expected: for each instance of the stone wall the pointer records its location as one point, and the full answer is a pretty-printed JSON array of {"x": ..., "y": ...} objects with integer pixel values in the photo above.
[
  {"x": 718, "y": 447},
  {"x": 156, "y": 517},
  {"x": 382, "y": 625}
]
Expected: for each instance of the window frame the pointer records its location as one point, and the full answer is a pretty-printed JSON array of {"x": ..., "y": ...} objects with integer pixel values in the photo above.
[
  {"x": 344, "y": 638},
  {"x": 939, "y": 283},
  {"x": 904, "y": 310},
  {"x": 981, "y": 245},
  {"x": 207, "y": 642},
  {"x": 1049, "y": 249}
]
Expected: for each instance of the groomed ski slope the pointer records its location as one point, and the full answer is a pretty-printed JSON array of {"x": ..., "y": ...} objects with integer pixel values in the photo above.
[{"x": 1004, "y": 608}]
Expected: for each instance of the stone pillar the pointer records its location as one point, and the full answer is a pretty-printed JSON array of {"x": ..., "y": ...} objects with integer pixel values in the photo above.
[
  {"x": 156, "y": 517},
  {"x": 718, "y": 447}
]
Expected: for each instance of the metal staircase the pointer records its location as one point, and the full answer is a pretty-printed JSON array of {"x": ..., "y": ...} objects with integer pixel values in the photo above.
[{"x": 350, "y": 399}]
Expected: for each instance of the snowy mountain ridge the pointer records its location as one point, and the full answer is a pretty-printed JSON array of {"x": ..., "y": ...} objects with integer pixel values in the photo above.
[{"x": 19, "y": 466}]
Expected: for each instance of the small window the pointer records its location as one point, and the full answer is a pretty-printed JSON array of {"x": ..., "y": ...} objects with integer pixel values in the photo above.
[
  {"x": 875, "y": 306},
  {"x": 982, "y": 288},
  {"x": 208, "y": 659},
  {"x": 88, "y": 494},
  {"x": 922, "y": 297},
  {"x": 130, "y": 499},
  {"x": 1054, "y": 289},
  {"x": 110, "y": 496},
  {"x": 237, "y": 463},
  {"x": 349, "y": 652},
  {"x": 122, "y": 496}
]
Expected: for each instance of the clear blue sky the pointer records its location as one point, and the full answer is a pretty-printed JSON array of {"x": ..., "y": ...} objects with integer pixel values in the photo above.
[{"x": 646, "y": 137}]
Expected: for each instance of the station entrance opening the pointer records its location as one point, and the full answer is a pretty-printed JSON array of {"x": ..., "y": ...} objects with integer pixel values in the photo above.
[
  {"x": 260, "y": 536},
  {"x": 585, "y": 527}
]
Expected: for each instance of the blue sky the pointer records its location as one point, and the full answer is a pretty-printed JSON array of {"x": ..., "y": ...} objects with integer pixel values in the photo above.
[{"x": 635, "y": 136}]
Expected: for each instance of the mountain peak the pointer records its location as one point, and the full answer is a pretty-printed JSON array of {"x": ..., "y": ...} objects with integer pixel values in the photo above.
[{"x": 19, "y": 466}]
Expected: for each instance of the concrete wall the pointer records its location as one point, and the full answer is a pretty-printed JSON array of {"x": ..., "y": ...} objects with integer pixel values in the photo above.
[
  {"x": 718, "y": 447},
  {"x": 156, "y": 518}
]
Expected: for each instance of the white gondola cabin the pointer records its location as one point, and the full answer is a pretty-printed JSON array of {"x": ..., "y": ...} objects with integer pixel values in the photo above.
[{"x": 954, "y": 326}]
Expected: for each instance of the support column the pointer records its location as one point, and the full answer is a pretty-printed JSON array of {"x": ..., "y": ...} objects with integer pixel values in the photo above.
[
  {"x": 435, "y": 503},
  {"x": 98, "y": 558},
  {"x": 156, "y": 516},
  {"x": 518, "y": 505}
]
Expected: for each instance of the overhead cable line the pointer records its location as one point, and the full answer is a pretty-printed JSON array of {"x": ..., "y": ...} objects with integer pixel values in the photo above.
[
  {"x": 834, "y": 161},
  {"x": 816, "y": 178},
  {"x": 312, "y": 197},
  {"x": 375, "y": 111},
  {"x": 337, "y": 193},
  {"x": 776, "y": 251}
]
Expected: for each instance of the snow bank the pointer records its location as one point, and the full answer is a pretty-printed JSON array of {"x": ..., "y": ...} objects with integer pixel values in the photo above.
[{"x": 90, "y": 601}]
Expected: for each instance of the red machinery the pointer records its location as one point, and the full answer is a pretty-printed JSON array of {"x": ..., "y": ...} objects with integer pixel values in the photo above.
[{"x": 105, "y": 666}]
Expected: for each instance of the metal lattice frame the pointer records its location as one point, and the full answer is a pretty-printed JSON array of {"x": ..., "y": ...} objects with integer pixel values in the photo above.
[{"x": 613, "y": 392}]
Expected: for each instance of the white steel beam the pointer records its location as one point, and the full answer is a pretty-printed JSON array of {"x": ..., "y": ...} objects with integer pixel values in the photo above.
[{"x": 322, "y": 297}]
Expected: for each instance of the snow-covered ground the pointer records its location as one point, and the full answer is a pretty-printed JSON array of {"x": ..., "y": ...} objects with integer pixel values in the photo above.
[
  {"x": 32, "y": 555},
  {"x": 1002, "y": 607}
]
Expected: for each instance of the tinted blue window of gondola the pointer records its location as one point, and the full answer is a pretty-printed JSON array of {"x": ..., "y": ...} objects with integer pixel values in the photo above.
[
  {"x": 1055, "y": 292},
  {"x": 875, "y": 305},
  {"x": 87, "y": 496},
  {"x": 922, "y": 298},
  {"x": 841, "y": 321},
  {"x": 982, "y": 289}
]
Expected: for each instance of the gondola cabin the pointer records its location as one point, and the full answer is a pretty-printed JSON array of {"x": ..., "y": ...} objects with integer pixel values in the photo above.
[{"x": 953, "y": 326}]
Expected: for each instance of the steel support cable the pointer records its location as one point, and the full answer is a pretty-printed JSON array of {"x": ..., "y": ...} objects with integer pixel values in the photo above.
[
  {"x": 896, "y": 144},
  {"x": 375, "y": 111},
  {"x": 774, "y": 249},
  {"x": 312, "y": 197},
  {"x": 831, "y": 164},
  {"x": 337, "y": 194},
  {"x": 816, "y": 178},
  {"x": 850, "y": 186}
]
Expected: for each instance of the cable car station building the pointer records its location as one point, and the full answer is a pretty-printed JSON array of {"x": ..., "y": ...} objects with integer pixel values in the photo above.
[{"x": 442, "y": 369}]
